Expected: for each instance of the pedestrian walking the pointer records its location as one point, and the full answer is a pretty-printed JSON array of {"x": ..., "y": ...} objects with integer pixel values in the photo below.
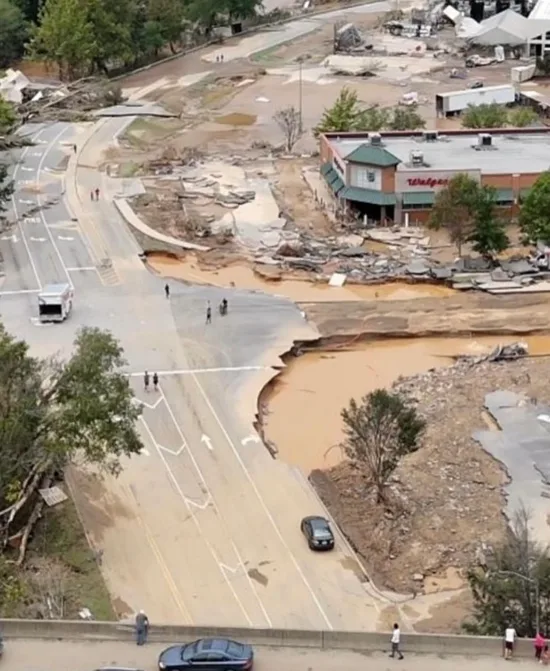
[
  {"x": 509, "y": 640},
  {"x": 142, "y": 628},
  {"x": 91, "y": 195},
  {"x": 74, "y": 148},
  {"x": 97, "y": 194},
  {"x": 209, "y": 315},
  {"x": 221, "y": 58},
  {"x": 395, "y": 641},
  {"x": 167, "y": 291},
  {"x": 146, "y": 381},
  {"x": 539, "y": 646},
  {"x": 217, "y": 59},
  {"x": 155, "y": 382}
]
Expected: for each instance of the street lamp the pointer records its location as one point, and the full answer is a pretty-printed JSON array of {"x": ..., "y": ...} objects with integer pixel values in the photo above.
[
  {"x": 300, "y": 97},
  {"x": 534, "y": 582}
]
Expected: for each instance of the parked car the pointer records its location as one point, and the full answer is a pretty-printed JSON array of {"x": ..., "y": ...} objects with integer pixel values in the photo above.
[
  {"x": 318, "y": 533},
  {"x": 209, "y": 654}
]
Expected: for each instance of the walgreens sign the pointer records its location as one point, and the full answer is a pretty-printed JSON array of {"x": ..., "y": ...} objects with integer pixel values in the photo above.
[{"x": 427, "y": 182}]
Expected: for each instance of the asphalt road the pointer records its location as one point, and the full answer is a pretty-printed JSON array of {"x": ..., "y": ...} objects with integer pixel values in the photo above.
[{"x": 203, "y": 527}]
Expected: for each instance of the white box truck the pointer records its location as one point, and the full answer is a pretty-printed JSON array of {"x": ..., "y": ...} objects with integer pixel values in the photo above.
[
  {"x": 455, "y": 102},
  {"x": 55, "y": 302}
]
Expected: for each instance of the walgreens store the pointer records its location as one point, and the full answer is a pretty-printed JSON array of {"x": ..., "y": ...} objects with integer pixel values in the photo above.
[{"x": 396, "y": 176}]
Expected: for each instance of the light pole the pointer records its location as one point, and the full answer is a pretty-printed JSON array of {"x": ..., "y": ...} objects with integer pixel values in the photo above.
[
  {"x": 300, "y": 97},
  {"x": 534, "y": 582}
]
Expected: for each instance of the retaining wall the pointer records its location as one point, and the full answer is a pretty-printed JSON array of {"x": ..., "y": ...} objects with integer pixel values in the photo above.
[{"x": 295, "y": 638}]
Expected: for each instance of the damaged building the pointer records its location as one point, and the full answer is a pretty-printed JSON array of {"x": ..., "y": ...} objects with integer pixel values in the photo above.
[{"x": 395, "y": 176}]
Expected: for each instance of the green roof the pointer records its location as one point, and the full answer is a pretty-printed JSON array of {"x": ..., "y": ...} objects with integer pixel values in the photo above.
[
  {"x": 333, "y": 179},
  {"x": 419, "y": 198},
  {"x": 504, "y": 196},
  {"x": 325, "y": 168},
  {"x": 368, "y": 196},
  {"x": 369, "y": 154}
]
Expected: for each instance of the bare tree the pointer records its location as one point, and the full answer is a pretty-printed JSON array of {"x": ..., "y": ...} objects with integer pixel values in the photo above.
[
  {"x": 288, "y": 120},
  {"x": 48, "y": 582}
]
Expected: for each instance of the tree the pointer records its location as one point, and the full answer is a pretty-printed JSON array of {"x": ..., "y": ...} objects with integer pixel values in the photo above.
[
  {"x": 8, "y": 117},
  {"x": 490, "y": 115},
  {"x": 453, "y": 209},
  {"x": 65, "y": 36},
  {"x": 379, "y": 431},
  {"x": 6, "y": 192},
  {"x": 52, "y": 412},
  {"x": 506, "y": 586},
  {"x": 13, "y": 33},
  {"x": 289, "y": 121},
  {"x": 488, "y": 235},
  {"x": 345, "y": 115},
  {"x": 168, "y": 15},
  {"x": 534, "y": 216},
  {"x": 406, "y": 118},
  {"x": 522, "y": 116}
]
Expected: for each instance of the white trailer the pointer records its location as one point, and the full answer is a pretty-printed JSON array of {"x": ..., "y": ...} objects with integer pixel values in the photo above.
[
  {"x": 455, "y": 102},
  {"x": 55, "y": 302}
]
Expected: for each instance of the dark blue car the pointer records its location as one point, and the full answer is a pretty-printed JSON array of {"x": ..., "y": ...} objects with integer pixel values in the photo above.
[{"x": 208, "y": 654}]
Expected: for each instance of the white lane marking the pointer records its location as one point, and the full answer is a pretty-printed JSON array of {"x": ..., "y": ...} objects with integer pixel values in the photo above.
[
  {"x": 199, "y": 529},
  {"x": 39, "y": 199},
  {"x": 250, "y": 439},
  {"x": 190, "y": 371},
  {"x": 263, "y": 503},
  {"x": 207, "y": 441},
  {"x": 172, "y": 452},
  {"x": 148, "y": 405},
  {"x": 19, "y": 226},
  {"x": 19, "y": 291},
  {"x": 36, "y": 322},
  {"x": 10, "y": 238},
  {"x": 27, "y": 168},
  {"x": 37, "y": 239},
  {"x": 211, "y": 496},
  {"x": 36, "y": 154},
  {"x": 25, "y": 201},
  {"x": 60, "y": 237},
  {"x": 87, "y": 268}
]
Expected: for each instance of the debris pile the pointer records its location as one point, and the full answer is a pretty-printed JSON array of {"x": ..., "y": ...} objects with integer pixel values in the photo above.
[{"x": 348, "y": 39}]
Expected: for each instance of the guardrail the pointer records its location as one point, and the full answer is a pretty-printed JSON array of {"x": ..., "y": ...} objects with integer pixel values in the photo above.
[{"x": 295, "y": 638}]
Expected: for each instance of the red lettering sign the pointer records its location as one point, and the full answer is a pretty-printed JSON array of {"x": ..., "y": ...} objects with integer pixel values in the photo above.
[{"x": 430, "y": 182}]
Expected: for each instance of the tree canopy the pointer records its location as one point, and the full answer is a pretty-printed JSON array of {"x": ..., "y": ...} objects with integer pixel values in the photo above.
[
  {"x": 6, "y": 192},
  {"x": 534, "y": 217},
  {"x": 13, "y": 33},
  {"x": 468, "y": 211},
  {"x": 493, "y": 115},
  {"x": 380, "y": 430},
  {"x": 53, "y": 412}
]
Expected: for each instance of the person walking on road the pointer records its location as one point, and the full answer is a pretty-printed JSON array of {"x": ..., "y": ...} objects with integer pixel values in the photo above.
[
  {"x": 395, "y": 641},
  {"x": 208, "y": 314},
  {"x": 97, "y": 194},
  {"x": 146, "y": 381},
  {"x": 142, "y": 628},
  {"x": 509, "y": 640},
  {"x": 539, "y": 646},
  {"x": 91, "y": 195},
  {"x": 155, "y": 382},
  {"x": 74, "y": 148},
  {"x": 167, "y": 291}
]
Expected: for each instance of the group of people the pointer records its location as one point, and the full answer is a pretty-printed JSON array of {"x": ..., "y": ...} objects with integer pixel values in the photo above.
[
  {"x": 542, "y": 654},
  {"x": 146, "y": 380}
]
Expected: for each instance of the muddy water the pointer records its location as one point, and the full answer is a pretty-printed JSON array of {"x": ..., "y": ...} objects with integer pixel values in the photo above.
[
  {"x": 304, "y": 291},
  {"x": 303, "y": 418}
]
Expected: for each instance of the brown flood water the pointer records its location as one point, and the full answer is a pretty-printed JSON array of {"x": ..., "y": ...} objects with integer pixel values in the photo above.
[
  {"x": 242, "y": 277},
  {"x": 303, "y": 418}
]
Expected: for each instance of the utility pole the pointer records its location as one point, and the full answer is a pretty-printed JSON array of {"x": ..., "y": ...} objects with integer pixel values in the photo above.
[{"x": 300, "y": 97}]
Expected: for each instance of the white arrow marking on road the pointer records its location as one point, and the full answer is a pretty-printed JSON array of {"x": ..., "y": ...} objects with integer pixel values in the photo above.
[
  {"x": 206, "y": 439},
  {"x": 60, "y": 237},
  {"x": 27, "y": 169},
  {"x": 27, "y": 202},
  {"x": 11, "y": 238},
  {"x": 250, "y": 439},
  {"x": 31, "y": 220},
  {"x": 36, "y": 154},
  {"x": 38, "y": 239}
]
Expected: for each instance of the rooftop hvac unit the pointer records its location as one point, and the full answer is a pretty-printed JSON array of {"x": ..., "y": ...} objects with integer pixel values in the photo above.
[
  {"x": 375, "y": 139},
  {"x": 430, "y": 135},
  {"x": 417, "y": 158},
  {"x": 484, "y": 140}
]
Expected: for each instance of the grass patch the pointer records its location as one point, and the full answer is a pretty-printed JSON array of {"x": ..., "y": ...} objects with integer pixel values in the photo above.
[
  {"x": 128, "y": 169},
  {"x": 58, "y": 547},
  {"x": 267, "y": 56},
  {"x": 143, "y": 131}
]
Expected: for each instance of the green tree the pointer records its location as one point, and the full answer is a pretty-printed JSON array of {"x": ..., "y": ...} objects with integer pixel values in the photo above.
[
  {"x": 490, "y": 115},
  {"x": 534, "y": 216},
  {"x": 168, "y": 16},
  {"x": 505, "y": 585},
  {"x": 6, "y": 192},
  {"x": 454, "y": 207},
  {"x": 13, "y": 33},
  {"x": 406, "y": 118},
  {"x": 54, "y": 412},
  {"x": 345, "y": 115},
  {"x": 488, "y": 235},
  {"x": 522, "y": 116},
  {"x": 65, "y": 36},
  {"x": 379, "y": 431},
  {"x": 8, "y": 117}
]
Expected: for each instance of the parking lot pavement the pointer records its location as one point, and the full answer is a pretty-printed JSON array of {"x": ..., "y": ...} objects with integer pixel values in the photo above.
[{"x": 36, "y": 655}]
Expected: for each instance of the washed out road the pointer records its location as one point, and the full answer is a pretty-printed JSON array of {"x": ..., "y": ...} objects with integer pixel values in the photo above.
[{"x": 203, "y": 526}]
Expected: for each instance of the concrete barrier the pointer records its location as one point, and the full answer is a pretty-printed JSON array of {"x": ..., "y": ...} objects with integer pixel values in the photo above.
[{"x": 434, "y": 644}]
